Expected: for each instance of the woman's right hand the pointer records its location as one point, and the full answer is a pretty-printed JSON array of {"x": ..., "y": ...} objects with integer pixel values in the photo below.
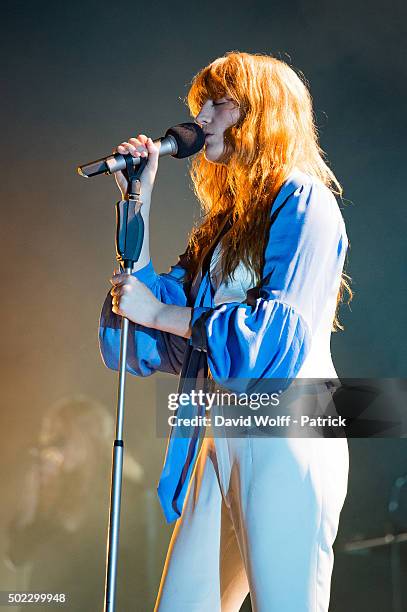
[{"x": 142, "y": 146}]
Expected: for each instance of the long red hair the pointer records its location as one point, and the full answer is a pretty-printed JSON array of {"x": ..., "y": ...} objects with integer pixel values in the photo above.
[{"x": 275, "y": 133}]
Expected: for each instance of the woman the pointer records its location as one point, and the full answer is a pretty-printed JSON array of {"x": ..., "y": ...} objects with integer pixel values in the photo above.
[{"x": 259, "y": 514}]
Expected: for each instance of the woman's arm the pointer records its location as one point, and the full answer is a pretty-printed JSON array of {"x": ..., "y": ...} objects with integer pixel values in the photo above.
[
  {"x": 173, "y": 319},
  {"x": 149, "y": 349},
  {"x": 303, "y": 263}
]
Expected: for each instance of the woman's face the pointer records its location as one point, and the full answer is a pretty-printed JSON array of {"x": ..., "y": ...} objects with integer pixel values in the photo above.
[
  {"x": 66, "y": 446},
  {"x": 214, "y": 118}
]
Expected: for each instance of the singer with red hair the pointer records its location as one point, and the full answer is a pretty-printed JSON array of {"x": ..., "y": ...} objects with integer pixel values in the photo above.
[{"x": 255, "y": 296}]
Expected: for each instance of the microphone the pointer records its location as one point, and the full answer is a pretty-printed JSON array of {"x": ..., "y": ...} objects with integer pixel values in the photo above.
[{"x": 180, "y": 141}]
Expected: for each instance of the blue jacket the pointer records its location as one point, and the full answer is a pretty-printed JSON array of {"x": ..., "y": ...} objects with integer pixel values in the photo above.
[{"x": 269, "y": 336}]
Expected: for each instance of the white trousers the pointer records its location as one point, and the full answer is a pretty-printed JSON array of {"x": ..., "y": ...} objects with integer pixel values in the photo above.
[{"x": 261, "y": 514}]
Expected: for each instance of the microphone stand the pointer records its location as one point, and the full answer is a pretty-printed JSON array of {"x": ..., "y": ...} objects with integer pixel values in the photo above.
[{"x": 129, "y": 242}]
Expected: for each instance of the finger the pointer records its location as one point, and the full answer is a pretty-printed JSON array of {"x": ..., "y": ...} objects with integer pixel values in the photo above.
[
  {"x": 122, "y": 147},
  {"x": 153, "y": 152},
  {"x": 123, "y": 275},
  {"x": 142, "y": 138},
  {"x": 119, "y": 290},
  {"x": 122, "y": 291},
  {"x": 116, "y": 279},
  {"x": 117, "y": 272},
  {"x": 126, "y": 147},
  {"x": 139, "y": 145},
  {"x": 137, "y": 142},
  {"x": 122, "y": 282}
]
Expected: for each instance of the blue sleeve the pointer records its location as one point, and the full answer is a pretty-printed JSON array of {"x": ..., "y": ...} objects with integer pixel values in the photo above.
[
  {"x": 148, "y": 349},
  {"x": 270, "y": 336}
]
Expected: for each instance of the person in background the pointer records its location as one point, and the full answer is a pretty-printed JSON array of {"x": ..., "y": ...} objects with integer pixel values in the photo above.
[{"x": 59, "y": 527}]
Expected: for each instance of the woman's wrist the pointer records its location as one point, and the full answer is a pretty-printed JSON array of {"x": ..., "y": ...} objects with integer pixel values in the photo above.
[{"x": 172, "y": 319}]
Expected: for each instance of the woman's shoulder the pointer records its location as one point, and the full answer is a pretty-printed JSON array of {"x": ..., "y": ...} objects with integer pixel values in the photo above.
[
  {"x": 310, "y": 199},
  {"x": 298, "y": 182}
]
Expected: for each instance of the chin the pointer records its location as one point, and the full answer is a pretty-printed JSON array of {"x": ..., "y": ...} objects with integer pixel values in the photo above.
[{"x": 213, "y": 156}]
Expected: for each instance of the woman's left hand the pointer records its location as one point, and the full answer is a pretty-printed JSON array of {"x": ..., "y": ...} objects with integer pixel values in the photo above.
[{"x": 133, "y": 299}]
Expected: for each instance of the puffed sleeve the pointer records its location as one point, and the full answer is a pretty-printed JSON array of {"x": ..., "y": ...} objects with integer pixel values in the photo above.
[
  {"x": 148, "y": 349},
  {"x": 271, "y": 337}
]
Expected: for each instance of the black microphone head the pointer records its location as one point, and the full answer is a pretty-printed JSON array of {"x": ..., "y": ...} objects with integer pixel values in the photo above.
[{"x": 190, "y": 139}]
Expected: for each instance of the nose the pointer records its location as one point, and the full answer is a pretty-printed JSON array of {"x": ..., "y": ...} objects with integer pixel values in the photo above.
[{"x": 203, "y": 117}]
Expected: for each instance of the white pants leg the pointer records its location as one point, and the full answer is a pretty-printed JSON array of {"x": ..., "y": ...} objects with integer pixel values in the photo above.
[
  {"x": 260, "y": 512},
  {"x": 286, "y": 505},
  {"x": 204, "y": 569}
]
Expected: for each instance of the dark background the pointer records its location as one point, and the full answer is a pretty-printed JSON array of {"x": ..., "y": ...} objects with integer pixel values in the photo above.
[{"x": 80, "y": 77}]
